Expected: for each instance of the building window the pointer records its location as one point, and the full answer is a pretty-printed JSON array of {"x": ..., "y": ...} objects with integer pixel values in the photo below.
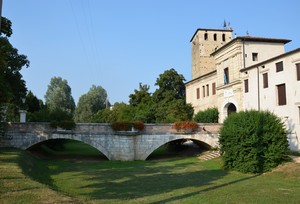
[
  {"x": 254, "y": 56},
  {"x": 246, "y": 85},
  {"x": 281, "y": 94},
  {"x": 279, "y": 66},
  {"x": 299, "y": 113},
  {"x": 226, "y": 76},
  {"x": 214, "y": 88},
  {"x": 205, "y": 36},
  {"x": 215, "y": 37},
  {"x": 198, "y": 93},
  {"x": 207, "y": 90},
  {"x": 265, "y": 80},
  {"x": 203, "y": 91},
  {"x": 298, "y": 71},
  {"x": 223, "y": 37}
]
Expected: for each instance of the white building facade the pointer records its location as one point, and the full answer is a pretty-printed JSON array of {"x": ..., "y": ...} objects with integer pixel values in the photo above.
[{"x": 244, "y": 77}]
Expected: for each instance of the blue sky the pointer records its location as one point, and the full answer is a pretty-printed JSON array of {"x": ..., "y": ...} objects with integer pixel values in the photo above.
[{"x": 118, "y": 44}]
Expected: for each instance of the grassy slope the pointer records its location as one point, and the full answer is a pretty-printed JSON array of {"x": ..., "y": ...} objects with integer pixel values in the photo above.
[{"x": 25, "y": 179}]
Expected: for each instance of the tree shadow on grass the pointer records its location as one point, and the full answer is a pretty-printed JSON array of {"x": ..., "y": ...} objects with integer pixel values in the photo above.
[
  {"x": 109, "y": 181},
  {"x": 148, "y": 179}
]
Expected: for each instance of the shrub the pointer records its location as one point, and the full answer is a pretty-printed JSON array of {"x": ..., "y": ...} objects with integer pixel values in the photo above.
[
  {"x": 253, "y": 142},
  {"x": 210, "y": 115},
  {"x": 186, "y": 126},
  {"x": 127, "y": 126}
]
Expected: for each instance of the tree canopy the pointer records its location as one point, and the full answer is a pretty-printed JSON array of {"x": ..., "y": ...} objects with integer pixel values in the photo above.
[
  {"x": 90, "y": 103},
  {"x": 12, "y": 85},
  {"x": 59, "y": 96}
]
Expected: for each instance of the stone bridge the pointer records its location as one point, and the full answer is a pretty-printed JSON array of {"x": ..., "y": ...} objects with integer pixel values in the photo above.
[{"x": 114, "y": 145}]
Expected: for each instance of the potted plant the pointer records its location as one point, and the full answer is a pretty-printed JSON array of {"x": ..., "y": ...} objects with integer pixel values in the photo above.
[{"x": 185, "y": 126}]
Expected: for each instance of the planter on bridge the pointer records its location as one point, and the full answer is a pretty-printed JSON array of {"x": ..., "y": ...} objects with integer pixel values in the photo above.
[{"x": 185, "y": 127}]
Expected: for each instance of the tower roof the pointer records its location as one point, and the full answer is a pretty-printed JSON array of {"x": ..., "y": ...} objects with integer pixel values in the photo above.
[{"x": 209, "y": 29}]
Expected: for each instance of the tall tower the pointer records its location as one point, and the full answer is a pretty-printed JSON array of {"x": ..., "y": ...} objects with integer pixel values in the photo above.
[{"x": 204, "y": 42}]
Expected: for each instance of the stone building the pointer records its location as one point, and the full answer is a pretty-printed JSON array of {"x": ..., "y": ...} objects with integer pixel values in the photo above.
[{"x": 240, "y": 73}]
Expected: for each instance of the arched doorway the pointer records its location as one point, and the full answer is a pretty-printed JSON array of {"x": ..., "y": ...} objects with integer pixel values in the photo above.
[{"x": 231, "y": 109}]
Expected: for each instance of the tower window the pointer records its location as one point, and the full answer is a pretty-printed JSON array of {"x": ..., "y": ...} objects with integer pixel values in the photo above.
[
  {"x": 215, "y": 37},
  {"x": 279, "y": 66},
  {"x": 254, "y": 56},
  {"x": 203, "y": 91},
  {"x": 223, "y": 37},
  {"x": 226, "y": 76},
  {"x": 205, "y": 36},
  {"x": 198, "y": 93}
]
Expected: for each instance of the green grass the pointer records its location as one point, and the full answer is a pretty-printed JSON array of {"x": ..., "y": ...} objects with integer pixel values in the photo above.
[{"x": 27, "y": 179}]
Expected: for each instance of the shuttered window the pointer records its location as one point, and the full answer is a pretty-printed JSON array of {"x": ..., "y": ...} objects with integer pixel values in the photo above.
[
  {"x": 198, "y": 93},
  {"x": 281, "y": 94},
  {"x": 246, "y": 85},
  {"x": 214, "y": 88},
  {"x": 279, "y": 66},
  {"x": 298, "y": 71},
  {"x": 265, "y": 80}
]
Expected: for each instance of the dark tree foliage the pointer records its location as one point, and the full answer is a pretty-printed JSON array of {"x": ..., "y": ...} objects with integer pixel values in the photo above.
[
  {"x": 33, "y": 104},
  {"x": 140, "y": 96},
  {"x": 253, "y": 142},
  {"x": 12, "y": 86},
  {"x": 166, "y": 105},
  {"x": 170, "y": 86}
]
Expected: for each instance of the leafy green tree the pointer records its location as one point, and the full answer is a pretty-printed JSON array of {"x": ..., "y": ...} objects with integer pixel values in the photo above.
[
  {"x": 59, "y": 96},
  {"x": 12, "y": 86},
  {"x": 170, "y": 86},
  {"x": 143, "y": 105},
  {"x": 33, "y": 104},
  {"x": 90, "y": 103},
  {"x": 119, "y": 112},
  {"x": 140, "y": 95},
  {"x": 169, "y": 98}
]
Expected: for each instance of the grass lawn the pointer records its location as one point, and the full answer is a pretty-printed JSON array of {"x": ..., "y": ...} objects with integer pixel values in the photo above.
[{"x": 27, "y": 179}]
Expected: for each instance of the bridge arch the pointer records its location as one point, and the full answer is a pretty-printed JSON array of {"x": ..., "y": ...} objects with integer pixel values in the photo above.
[
  {"x": 169, "y": 138},
  {"x": 61, "y": 138}
]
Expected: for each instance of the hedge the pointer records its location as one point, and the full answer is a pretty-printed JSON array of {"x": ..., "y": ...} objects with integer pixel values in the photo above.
[{"x": 253, "y": 142}]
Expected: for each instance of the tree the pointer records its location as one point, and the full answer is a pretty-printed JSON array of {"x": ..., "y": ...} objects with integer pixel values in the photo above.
[
  {"x": 169, "y": 98},
  {"x": 59, "y": 96},
  {"x": 139, "y": 95},
  {"x": 90, "y": 103},
  {"x": 12, "y": 86},
  {"x": 142, "y": 104},
  {"x": 170, "y": 86},
  {"x": 33, "y": 104}
]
